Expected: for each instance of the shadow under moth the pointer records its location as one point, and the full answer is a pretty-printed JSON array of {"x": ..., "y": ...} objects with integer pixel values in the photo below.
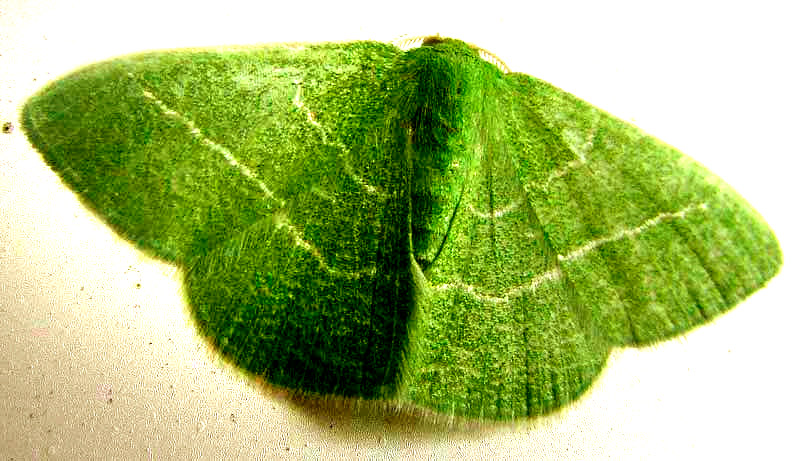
[{"x": 417, "y": 227}]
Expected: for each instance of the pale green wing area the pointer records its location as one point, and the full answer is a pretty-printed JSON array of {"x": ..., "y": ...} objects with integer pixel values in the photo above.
[
  {"x": 652, "y": 240},
  {"x": 577, "y": 233},
  {"x": 267, "y": 174},
  {"x": 178, "y": 149}
]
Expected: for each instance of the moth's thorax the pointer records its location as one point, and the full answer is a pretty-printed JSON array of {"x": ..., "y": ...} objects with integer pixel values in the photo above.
[{"x": 437, "y": 87}]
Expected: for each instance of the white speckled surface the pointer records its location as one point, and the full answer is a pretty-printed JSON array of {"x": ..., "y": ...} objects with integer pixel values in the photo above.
[{"x": 98, "y": 358}]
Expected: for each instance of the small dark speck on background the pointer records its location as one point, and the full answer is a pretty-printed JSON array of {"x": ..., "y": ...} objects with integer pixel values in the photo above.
[{"x": 8, "y": 127}]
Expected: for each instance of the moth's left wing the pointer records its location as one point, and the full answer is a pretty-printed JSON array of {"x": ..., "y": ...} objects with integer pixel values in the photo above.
[
  {"x": 267, "y": 175},
  {"x": 178, "y": 150}
]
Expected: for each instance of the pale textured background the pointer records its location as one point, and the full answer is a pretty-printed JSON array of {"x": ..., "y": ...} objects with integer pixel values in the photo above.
[{"x": 717, "y": 81}]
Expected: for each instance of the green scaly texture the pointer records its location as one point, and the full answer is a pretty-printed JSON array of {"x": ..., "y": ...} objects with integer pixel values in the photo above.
[{"x": 410, "y": 227}]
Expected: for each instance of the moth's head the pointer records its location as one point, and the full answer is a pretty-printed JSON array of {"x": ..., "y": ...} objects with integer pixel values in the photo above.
[
  {"x": 410, "y": 43},
  {"x": 432, "y": 40}
]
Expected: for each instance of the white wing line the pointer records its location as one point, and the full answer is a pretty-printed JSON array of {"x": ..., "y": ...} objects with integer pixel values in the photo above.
[
  {"x": 313, "y": 251},
  {"x": 299, "y": 104},
  {"x": 571, "y": 165},
  {"x": 211, "y": 144},
  {"x": 498, "y": 213},
  {"x": 556, "y": 273},
  {"x": 580, "y": 152},
  {"x": 297, "y": 101},
  {"x": 293, "y": 231},
  {"x": 620, "y": 234}
]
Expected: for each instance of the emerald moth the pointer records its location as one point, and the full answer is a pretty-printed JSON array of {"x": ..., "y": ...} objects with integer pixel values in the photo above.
[{"x": 418, "y": 227}]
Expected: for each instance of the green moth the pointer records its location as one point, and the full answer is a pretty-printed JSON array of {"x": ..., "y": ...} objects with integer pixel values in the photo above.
[{"x": 418, "y": 227}]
